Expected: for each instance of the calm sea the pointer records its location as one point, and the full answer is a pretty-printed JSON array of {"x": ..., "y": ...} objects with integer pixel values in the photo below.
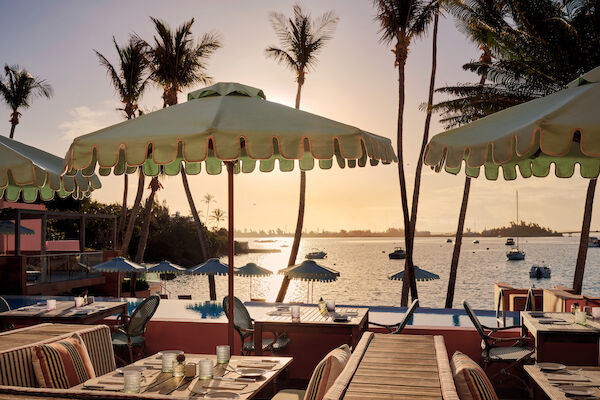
[{"x": 364, "y": 267}]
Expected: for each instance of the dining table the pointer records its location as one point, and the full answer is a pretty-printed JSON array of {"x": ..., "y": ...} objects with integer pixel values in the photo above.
[
  {"x": 228, "y": 379},
  {"x": 559, "y": 338},
  {"x": 348, "y": 321},
  {"x": 562, "y": 382},
  {"x": 64, "y": 313}
]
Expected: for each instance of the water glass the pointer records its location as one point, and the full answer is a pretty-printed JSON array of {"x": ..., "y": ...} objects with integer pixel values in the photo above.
[
  {"x": 580, "y": 317},
  {"x": 78, "y": 302},
  {"x": 330, "y": 305},
  {"x": 132, "y": 381},
  {"x": 178, "y": 368},
  {"x": 295, "y": 311},
  {"x": 50, "y": 304},
  {"x": 205, "y": 368},
  {"x": 168, "y": 357},
  {"x": 223, "y": 354}
]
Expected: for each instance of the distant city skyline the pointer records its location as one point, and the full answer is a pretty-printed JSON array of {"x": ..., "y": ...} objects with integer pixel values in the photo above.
[{"x": 355, "y": 82}]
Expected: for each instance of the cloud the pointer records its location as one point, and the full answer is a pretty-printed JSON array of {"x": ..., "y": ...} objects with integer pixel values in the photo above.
[{"x": 84, "y": 119}]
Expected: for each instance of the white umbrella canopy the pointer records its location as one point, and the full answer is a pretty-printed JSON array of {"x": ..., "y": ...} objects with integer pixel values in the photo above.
[
  {"x": 167, "y": 267},
  {"x": 310, "y": 271},
  {"x": 252, "y": 270},
  {"x": 118, "y": 264}
]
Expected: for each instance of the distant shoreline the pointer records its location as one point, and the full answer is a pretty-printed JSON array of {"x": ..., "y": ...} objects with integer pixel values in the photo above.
[{"x": 384, "y": 235}]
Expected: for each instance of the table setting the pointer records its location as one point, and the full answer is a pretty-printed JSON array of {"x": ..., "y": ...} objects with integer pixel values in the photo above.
[{"x": 572, "y": 382}]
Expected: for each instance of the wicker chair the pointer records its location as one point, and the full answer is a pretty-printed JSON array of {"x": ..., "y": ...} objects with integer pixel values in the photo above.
[
  {"x": 397, "y": 328},
  {"x": 131, "y": 334},
  {"x": 495, "y": 352},
  {"x": 244, "y": 325},
  {"x": 4, "y": 307}
]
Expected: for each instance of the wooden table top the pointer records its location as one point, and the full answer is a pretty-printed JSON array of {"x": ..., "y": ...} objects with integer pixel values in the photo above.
[
  {"x": 554, "y": 392},
  {"x": 312, "y": 316},
  {"x": 158, "y": 383},
  {"x": 34, "y": 334},
  {"x": 397, "y": 367},
  {"x": 65, "y": 311},
  {"x": 535, "y": 325}
]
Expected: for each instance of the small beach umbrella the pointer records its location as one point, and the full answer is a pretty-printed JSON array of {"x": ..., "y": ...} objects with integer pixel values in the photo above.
[
  {"x": 232, "y": 124},
  {"x": 118, "y": 265},
  {"x": 420, "y": 275},
  {"x": 561, "y": 129},
  {"x": 252, "y": 270},
  {"x": 310, "y": 271},
  {"x": 166, "y": 267},
  {"x": 210, "y": 268},
  {"x": 8, "y": 228}
]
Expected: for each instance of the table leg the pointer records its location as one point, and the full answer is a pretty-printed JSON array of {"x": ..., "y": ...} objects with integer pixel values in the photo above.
[{"x": 258, "y": 339}]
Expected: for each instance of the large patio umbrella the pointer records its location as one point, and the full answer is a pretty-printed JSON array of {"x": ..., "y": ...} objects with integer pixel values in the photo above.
[
  {"x": 251, "y": 270},
  {"x": 27, "y": 172},
  {"x": 561, "y": 129},
  {"x": 420, "y": 275},
  {"x": 230, "y": 123},
  {"x": 212, "y": 267},
  {"x": 118, "y": 265},
  {"x": 310, "y": 271},
  {"x": 164, "y": 268}
]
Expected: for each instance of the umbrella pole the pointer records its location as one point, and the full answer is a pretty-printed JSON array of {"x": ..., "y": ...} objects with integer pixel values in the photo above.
[{"x": 230, "y": 236}]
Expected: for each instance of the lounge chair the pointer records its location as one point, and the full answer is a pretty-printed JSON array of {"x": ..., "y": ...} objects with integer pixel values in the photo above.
[
  {"x": 131, "y": 333},
  {"x": 397, "y": 328},
  {"x": 244, "y": 325},
  {"x": 494, "y": 350}
]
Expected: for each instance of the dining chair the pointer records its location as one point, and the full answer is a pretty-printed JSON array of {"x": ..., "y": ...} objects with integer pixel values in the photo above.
[
  {"x": 398, "y": 327},
  {"x": 513, "y": 351},
  {"x": 244, "y": 325},
  {"x": 131, "y": 334}
]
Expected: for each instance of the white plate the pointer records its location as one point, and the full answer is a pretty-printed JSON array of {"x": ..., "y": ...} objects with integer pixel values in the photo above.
[
  {"x": 251, "y": 372},
  {"x": 221, "y": 395},
  {"x": 578, "y": 391},
  {"x": 548, "y": 366},
  {"x": 131, "y": 368}
]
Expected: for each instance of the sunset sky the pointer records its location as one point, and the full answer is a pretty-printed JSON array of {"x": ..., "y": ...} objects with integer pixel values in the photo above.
[{"x": 355, "y": 82}]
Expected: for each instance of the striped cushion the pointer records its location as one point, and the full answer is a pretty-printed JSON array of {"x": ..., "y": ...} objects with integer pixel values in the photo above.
[
  {"x": 16, "y": 367},
  {"x": 326, "y": 372},
  {"x": 62, "y": 364},
  {"x": 99, "y": 346},
  {"x": 471, "y": 381}
]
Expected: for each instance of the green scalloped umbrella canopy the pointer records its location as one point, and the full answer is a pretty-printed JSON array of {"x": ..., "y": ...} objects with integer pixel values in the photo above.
[
  {"x": 118, "y": 264},
  {"x": 28, "y": 172},
  {"x": 420, "y": 275},
  {"x": 167, "y": 267},
  {"x": 231, "y": 123},
  {"x": 8, "y": 228},
  {"x": 211, "y": 267},
  {"x": 251, "y": 270}
]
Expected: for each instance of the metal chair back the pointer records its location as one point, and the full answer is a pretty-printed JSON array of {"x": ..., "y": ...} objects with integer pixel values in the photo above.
[
  {"x": 477, "y": 324},
  {"x": 530, "y": 303},
  {"x": 142, "y": 314},
  {"x": 4, "y": 305},
  {"x": 409, "y": 313},
  {"x": 242, "y": 321}
]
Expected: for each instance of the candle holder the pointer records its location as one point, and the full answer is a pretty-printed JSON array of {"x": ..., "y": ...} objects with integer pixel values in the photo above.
[
  {"x": 132, "y": 381},
  {"x": 205, "y": 369},
  {"x": 168, "y": 357},
  {"x": 223, "y": 354},
  {"x": 179, "y": 365}
]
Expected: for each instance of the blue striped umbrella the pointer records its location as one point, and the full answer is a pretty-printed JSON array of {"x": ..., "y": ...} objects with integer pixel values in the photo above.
[
  {"x": 309, "y": 270},
  {"x": 252, "y": 270},
  {"x": 167, "y": 267},
  {"x": 119, "y": 264},
  {"x": 420, "y": 275},
  {"x": 8, "y": 228},
  {"x": 211, "y": 267}
]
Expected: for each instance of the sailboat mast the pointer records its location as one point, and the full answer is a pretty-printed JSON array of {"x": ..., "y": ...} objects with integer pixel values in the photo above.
[{"x": 517, "y": 226}]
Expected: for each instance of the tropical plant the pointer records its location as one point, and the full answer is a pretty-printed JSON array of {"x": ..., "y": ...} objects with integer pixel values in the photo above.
[
  {"x": 400, "y": 22},
  {"x": 18, "y": 88},
  {"x": 129, "y": 79},
  {"x": 217, "y": 216},
  {"x": 301, "y": 39},
  {"x": 208, "y": 198}
]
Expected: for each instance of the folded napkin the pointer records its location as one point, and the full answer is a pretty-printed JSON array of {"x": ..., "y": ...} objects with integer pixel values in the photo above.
[
  {"x": 257, "y": 364},
  {"x": 567, "y": 378},
  {"x": 224, "y": 384}
]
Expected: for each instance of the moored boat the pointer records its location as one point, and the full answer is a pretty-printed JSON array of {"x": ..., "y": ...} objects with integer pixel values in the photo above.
[
  {"x": 515, "y": 254},
  {"x": 397, "y": 254},
  {"x": 593, "y": 242},
  {"x": 316, "y": 255},
  {"x": 448, "y": 240},
  {"x": 539, "y": 271},
  {"x": 510, "y": 242}
]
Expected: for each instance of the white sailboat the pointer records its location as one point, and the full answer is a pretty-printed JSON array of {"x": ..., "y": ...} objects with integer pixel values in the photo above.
[{"x": 515, "y": 254}]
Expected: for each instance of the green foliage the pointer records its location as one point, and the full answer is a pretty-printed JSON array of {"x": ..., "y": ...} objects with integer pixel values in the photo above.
[
  {"x": 140, "y": 284},
  {"x": 18, "y": 87},
  {"x": 525, "y": 230}
]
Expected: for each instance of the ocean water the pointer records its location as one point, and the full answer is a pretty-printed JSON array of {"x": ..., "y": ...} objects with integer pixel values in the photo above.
[{"x": 364, "y": 268}]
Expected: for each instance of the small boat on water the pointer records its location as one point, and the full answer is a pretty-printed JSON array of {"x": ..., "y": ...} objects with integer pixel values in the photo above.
[
  {"x": 397, "y": 254},
  {"x": 515, "y": 254},
  {"x": 539, "y": 271},
  {"x": 475, "y": 241},
  {"x": 593, "y": 242},
  {"x": 316, "y": 255},
  {"x": 510, "y": 242},
  {"x": 448, "y": 240}
]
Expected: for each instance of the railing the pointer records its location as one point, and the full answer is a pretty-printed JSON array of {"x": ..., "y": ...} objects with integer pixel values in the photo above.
[{"x": 61, "y": 267}]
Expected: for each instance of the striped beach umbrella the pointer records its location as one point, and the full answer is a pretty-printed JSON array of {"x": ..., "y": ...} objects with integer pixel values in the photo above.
[
  {"x": 310, "y": 271},
  {"x": 420, "y": 275},
  {"x": 251, "y": 270}
]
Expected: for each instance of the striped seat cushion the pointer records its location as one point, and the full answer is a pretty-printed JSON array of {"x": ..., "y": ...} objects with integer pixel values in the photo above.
[
  {"x": 99, "y": 346},
  {"x": 62, "y": 364},
  {"x": 326, "y": 372},
  {"x": 471, "y": 381}
]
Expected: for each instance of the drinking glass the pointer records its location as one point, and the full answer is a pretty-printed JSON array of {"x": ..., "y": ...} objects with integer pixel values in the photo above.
[
  {"x": 50, "y": 304},
  {"x": 167, "y": 359},
  {"x": 330, "y": 305},
  {"x": 205, "y": 368},
  {"x": 132, "y": 381},
  {"x": 223, "y": 354},
  {"x": 295, "y": 311},
  {"x": 580, "y": 317},
  {"x": 78, "y": 302}
]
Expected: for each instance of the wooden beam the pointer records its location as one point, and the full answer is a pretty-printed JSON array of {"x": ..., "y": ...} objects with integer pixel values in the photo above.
[
  {"x": 82, "y": 233},
  {"x": 18, "y": 233}
]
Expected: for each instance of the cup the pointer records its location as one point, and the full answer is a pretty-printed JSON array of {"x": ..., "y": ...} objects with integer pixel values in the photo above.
[
  {"x": 580, "y": 317},
  {"x": 50, "y": 304},
  {"x": 330, "y": 305},
  {"x": 91, "y": 299},
  {"x": 596, "y": 312},
  {"x": 132, "y": 381},
  {"x": 78, "y": 302},
  {"x": 223, "y": 354},
  {"x": 168, "y": 357},
  {"x": 295, "y": 311},
  {"x": 205, "y": 368}
]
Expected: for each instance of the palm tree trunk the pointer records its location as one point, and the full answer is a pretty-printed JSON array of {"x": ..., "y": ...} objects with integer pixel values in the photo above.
[
  {"x": 199, "y": 225},
  {"x": 419, "y": 169},
  {"x": 458, "y": 244},
  {"x": 139, "y": 256},
  {"x": 123, "y": 215},
  {"x": 14, "y": 121},
  {"x": 12, "y": 129},
  {"x": 585, "y": 237},
  {"x": 299, "y": 223},
  {"x": 134, "y": 211}
]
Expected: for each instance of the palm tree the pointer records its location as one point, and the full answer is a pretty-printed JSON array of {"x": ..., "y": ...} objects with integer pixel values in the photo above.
[
  {"x": 178, "y": 61},
  {"x": 18, "y": 88},
  {"x": 217, "y": 216},
  {"x": 208, "y": 198},
  {"x": 301, "y": 38},
  {"x": 400, "y": 22},
  {"x": 129, "y": 80},
  {"x": 154, "y": 187}
]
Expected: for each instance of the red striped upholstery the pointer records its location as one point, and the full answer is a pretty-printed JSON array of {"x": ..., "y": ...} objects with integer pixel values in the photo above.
[
  {"x": 326, "y": 372},
  {"x": 471, "y": 381},
  {"x": 62, "y": 364}
]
